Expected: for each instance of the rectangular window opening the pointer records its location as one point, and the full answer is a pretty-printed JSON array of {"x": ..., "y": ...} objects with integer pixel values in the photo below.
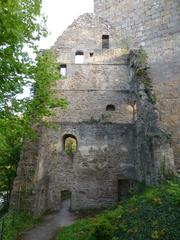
[
  {"x": 105, "y": 41},
  {"x": 79, "y": 57},
  {"x": 63, "y": 70}
]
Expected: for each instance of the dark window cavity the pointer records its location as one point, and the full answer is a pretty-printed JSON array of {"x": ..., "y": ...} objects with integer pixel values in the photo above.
[
  {"x": 105, "y": 41},
  {"x": 110, "y": 107}
]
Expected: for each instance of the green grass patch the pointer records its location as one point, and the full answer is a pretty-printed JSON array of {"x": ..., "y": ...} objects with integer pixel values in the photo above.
[
  {"x": 152, "y": 215},
  {"x": 15, "y": 223}
]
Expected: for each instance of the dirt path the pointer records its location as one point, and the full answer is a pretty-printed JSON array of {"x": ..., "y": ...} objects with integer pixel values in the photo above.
[{"x": 48, "y": 229}]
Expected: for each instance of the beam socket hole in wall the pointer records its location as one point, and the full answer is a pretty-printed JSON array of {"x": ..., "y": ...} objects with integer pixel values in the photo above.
[
  {"x": 63, "y": 70},
  {"x": 105, "y": 41},
  {"x": 79, "y": 57},
  {"x": 70, "y": 144},
  {"x": 91, "y": 54},
  {"x": 110, "y": 107}
]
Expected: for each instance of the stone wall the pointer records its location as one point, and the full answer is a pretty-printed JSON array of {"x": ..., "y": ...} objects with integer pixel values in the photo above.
[
  {"x": 154, "y": 156},
  {"x": 104, "y": 156},
  {"x": 90, "y": 88},
  {"x": 94, "y": 105},
  {"x": 142, "y": 20},
  {"x": 105, "y": 138},
  {"x": 101, "y": 80},
  {"x": 153, "y": 24}
]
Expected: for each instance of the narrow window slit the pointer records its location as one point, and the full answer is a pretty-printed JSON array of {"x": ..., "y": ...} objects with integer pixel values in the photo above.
[{"x": 105, "y": 41}]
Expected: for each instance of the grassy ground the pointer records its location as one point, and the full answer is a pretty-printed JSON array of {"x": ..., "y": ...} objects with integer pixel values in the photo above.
[
  {"x": 15, "y": 223},
  {"x": 152, "y": 215}
]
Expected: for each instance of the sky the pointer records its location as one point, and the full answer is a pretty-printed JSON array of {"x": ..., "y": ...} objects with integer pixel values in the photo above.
[{"x": 61, "y": 13}]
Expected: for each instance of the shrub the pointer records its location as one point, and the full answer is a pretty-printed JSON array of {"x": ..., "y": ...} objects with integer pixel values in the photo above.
[
  {"x": 14, "y": 223},
  {"x": 103, "y": 230}
]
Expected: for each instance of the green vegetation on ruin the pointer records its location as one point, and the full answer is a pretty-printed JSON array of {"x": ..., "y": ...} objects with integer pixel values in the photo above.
[
  {"x": 142, "y": 74},
  {"x": 153, "y": 214},
  {"x": 14, "y": 223}
]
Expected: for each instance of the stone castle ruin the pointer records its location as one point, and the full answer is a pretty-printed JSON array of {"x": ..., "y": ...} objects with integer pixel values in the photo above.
[{"x": 122, "y": 106}]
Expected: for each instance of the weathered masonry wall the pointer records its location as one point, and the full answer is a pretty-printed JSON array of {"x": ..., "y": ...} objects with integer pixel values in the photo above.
[
  {"x": 92, "y": 174},
  {"x": 165, "y": 71},
  {"x": 105, "y": 155},
  {"x": 153, "y": 24},
  {"x": 102, "y": 79},
  {"x": 91, "y": 106},
  {"x": 154, "y": 156},
  {"x": 142, "y": 20},
  {"x": 90, "y": 88}
]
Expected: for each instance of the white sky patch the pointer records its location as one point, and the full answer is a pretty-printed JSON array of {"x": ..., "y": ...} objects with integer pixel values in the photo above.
[{"x": 61, "y": 13}]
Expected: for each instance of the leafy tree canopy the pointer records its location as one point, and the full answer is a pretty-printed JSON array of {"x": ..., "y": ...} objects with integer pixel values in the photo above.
[{"x": 21, "y": 27}]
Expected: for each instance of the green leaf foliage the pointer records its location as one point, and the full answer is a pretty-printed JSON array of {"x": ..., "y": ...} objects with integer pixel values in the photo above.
[
  {"x": 14, "y": 223},
  {"x": 21, "y": 26},
  {"x": 46, "y": 74}
]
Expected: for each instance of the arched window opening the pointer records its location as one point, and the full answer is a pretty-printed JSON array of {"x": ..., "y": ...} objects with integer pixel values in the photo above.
[
  {"x": 79, "y": 57},
  {"x": 105, "y": 41},
  {"x": 110, "y": 107},
  {"x": 70, "y": 144},
  {"x": 63, "y": 70}
]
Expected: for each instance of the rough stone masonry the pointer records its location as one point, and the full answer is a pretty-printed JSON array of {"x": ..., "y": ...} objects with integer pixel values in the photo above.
[{"x": 120, "y": 133}]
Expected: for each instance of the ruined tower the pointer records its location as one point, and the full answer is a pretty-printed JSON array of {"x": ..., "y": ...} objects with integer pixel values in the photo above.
[
  {"x": 116, "y": 130},
  {"x": 154, "y": 25}
]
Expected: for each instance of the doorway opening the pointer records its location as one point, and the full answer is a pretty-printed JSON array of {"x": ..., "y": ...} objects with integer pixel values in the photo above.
[
  {"x": 65, "y": 195},
  {"x": 123, "y": 188},
  {"x": 66, "y": 199}
]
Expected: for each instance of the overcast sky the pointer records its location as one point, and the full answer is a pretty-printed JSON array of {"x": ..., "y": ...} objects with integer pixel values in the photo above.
[{"x": 61, "y": 14}]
